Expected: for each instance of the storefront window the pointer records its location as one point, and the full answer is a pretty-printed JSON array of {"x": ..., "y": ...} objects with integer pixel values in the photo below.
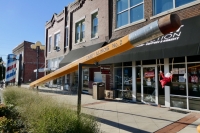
[
  {"x": 194, "y": 58},
  {"x": 161, "y": 91},
  {"x": 177, "y": 60},
  {"x": 148, "y": 62},
  {"x": 149, "y": 86},
  {"x": 160, "y": 61},
  {"x": 194, "y": 104},
  {"x": 127, "y": 64},
  {"x": 138, "y": 63},
  {"x": 127, "y": 82},
  {"x": 138, "y": 83},
  {"x": 194, "y": 79},
  {"x": 179, "y": 102},
  {"x": 118, "y": 78},
  {"x": 118, "y": 82},
  {"x": 85, "y": 79},
  {"x": 75, "y": 79},
  {"x": 178, "y": 84},
  {"x": 118, "y": 64}
]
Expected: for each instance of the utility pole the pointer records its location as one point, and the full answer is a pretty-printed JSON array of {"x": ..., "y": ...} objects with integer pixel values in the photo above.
[{"x": 38, "y": 46}]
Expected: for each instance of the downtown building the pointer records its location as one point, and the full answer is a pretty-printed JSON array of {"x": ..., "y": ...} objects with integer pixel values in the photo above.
[
  {"x": 85, "y": 26},
  {"x": 29, "y": 62}
]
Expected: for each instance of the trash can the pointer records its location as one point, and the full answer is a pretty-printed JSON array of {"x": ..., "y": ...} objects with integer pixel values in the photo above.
[{"x": 98, "y": 90}]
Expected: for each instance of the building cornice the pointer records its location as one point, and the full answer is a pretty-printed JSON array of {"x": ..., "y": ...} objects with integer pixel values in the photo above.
[{"x": 55, "y": 18}]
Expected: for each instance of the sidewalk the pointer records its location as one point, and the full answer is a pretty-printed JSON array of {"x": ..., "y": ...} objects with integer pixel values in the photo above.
[{"x": 121, "y": 117}]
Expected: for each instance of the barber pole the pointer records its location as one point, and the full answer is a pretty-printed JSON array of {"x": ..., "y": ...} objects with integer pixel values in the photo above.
[{"x": 11, "y": 68}]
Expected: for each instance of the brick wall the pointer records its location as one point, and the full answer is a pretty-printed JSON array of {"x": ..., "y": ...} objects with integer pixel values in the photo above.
[
  {"x": 148, "y": 12},
  {"x": 30, "y": 63},
  {"x": 103, "y": 22},
  {"x": 55, "y": 25}
]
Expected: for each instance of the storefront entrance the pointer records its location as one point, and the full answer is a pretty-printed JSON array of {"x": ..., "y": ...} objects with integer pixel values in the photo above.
[{"x": 149, "y": 84}]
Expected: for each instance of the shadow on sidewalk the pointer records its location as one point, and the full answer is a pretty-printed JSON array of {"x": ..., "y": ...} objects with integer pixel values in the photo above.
[
  {"x": 57, "y": 91},
  {"x": 130, "y": 114},
  {"x": 120, "y": 126}
]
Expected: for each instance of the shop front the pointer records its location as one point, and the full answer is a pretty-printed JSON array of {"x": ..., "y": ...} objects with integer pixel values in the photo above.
[{"x": 136, "y": 73}]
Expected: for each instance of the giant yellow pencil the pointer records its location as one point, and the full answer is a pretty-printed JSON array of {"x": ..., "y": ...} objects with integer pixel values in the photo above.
[{"x": 149, "y": 32}]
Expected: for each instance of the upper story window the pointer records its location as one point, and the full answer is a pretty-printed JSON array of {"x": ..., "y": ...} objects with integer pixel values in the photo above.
[
  {"x": 49, "y": 41},
  {"x": 80, "y": 31},
  {"x": 129, "y": 11},
  {"x": 164, "y": 5},
  {"x": 56, "y": 39},
  {"x": 94, "y": 25}
]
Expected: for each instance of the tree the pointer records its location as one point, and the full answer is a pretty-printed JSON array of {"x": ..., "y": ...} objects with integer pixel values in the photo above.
[{"x": 2, "y": 70}]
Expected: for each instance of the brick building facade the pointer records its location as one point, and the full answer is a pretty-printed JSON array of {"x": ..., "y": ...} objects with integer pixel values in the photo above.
[
  {"x": 65, "y": 24},
  {"x": 29, "y": 61},
  {"x": 184, "y": 12},
  {"x": 117, "y": 18}
]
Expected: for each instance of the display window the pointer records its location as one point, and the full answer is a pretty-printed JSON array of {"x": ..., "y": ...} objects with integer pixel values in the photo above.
[
  {"x": 178, "y": 83},
  {"x": 194, "y": 79}
]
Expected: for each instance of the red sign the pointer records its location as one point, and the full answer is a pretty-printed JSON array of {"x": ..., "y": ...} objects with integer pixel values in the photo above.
[
  {"x": 149, "y": 74},
  {"x": 105, "y": 69}
]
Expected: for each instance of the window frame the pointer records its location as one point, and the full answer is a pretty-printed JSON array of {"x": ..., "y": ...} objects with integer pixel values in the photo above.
[
  {"x": 80, "y": 24},
  {"x": 56, "y": 42},
  {"x": 174, "y": 8},
  {"x": 93, "y": 16},
  {"x": 129, "y": 14}
]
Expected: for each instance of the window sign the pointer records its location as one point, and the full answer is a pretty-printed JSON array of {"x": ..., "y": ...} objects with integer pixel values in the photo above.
[{"x": 181, "y": 71}]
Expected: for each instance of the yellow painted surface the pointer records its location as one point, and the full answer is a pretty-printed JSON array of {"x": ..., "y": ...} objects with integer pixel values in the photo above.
[{"x": 112, "y": 49}]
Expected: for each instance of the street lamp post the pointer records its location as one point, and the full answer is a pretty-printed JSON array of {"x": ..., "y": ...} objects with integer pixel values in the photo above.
[{"x": 38, "y": 46}]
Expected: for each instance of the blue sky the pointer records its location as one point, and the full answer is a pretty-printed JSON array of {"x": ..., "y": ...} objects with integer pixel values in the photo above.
[{"x": 25, "y": 20}]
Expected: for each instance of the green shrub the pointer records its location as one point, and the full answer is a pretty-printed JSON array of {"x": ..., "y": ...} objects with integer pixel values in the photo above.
[
  {"x": 9, "y": 119},
  {"x": 42, "y": 114}
]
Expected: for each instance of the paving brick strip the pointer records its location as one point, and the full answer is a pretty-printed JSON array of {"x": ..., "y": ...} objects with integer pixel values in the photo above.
[{"x": 180, "y": 124}]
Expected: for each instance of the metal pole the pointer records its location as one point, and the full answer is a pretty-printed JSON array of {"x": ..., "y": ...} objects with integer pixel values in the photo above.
[
  {"x": 80, "y": 65},
  {"x": 79, "y": 88},
  {"x": 37, "y": 63}
]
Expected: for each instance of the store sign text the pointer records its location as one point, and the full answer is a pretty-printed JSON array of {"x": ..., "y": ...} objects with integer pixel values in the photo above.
[
  {"x": 103, "y": 50},
  {"x": 172, "y": 36}
]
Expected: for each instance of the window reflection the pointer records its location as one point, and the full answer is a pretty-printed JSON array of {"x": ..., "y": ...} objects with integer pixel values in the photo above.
[
  {"x": 194, "y": 79},
  {"x": 164, "y": 5},
  {"x": 179, "y": 102},
  {"x": 127, "y": 82},
  {"x": 178, "y": 85},
  {"x": 149, "y": 84},
  {"x": 194, "y": 104},
  {"x": 138, "y": 83},
  {"x": 161, "y": 91},
  {"x": 118, "y": 78},
  {"x": 129, "y": 11}
]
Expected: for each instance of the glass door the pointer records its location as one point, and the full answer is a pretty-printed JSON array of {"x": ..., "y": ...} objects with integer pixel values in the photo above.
[{"x": 149, "y": 84}]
